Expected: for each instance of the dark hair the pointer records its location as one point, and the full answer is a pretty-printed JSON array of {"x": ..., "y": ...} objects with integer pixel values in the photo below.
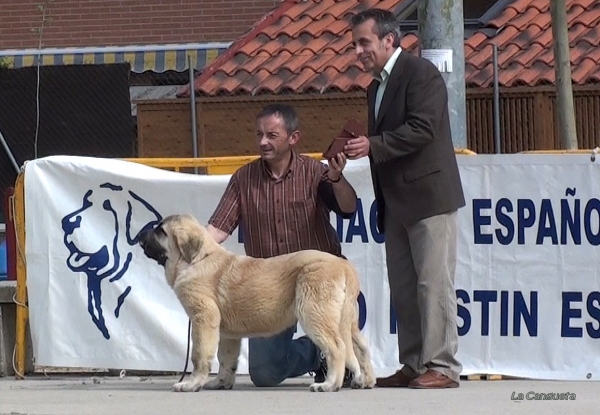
[
  {"x": 385, "y": 23},
  {"x": 286, "y": 112}
]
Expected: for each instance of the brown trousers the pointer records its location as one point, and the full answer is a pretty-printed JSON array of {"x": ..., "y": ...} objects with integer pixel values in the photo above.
[{"x": 421, "y": 263}]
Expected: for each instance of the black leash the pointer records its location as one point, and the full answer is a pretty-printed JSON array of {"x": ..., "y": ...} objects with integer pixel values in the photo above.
[{"x": 187, "y": 353}]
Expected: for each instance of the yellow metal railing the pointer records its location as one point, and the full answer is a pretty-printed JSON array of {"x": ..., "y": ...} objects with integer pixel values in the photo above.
[
  {"x": 464, "y": 152},
  {"x": 214, "y": 165},
  {"x": 578, "y": 151}
]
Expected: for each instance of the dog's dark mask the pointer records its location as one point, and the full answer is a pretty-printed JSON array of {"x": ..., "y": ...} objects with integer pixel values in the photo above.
[{"x": 152, "y": 248}]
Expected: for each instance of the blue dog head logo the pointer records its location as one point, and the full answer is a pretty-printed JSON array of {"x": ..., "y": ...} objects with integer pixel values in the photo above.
[{"x": 101, "y": 236}]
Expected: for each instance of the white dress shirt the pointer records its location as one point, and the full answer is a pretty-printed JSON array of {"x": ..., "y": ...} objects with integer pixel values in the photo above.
[{"x": 383, "y": 77}]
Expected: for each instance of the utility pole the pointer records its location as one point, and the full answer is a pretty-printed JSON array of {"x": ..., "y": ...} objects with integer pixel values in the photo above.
[
  {"x": 441, "y": 30},
  {"x": 562, "y": 70}
]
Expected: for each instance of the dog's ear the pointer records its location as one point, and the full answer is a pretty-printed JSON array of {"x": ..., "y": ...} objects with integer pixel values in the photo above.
[{"x": 188, "y": 244}]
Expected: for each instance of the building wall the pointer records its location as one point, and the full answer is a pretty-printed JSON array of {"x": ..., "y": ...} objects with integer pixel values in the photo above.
[
  {"x": 127, "y": 22},
  {"x": 226, "y": 126}
]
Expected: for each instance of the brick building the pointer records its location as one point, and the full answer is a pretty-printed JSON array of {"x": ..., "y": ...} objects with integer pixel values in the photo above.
[
  {"x": 154, "y": 36},
  {"x": 127, "y": 22}
]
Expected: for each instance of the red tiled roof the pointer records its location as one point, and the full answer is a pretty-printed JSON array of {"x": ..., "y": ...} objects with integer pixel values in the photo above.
[
  {"x": 524, "y": 39},
  {"x": 306, "y": 46}
]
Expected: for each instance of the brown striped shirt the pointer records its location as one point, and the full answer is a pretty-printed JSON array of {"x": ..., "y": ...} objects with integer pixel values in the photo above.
[{"x": 279, "y": 216}]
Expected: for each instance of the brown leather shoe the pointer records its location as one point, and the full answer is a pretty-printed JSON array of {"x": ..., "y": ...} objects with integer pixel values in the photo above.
[
  {"x": 432, "y": 380},
  {"x": 397, "y": 380}
]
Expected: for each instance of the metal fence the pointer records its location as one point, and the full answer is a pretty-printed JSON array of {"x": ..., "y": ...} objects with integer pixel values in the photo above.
[
  {"x": 64, "y": 110},
  {"x": 85, "y": 110}
]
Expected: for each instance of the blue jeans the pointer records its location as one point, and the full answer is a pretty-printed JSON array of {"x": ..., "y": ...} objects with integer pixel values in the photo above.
[{"x": 271, "y": 360}]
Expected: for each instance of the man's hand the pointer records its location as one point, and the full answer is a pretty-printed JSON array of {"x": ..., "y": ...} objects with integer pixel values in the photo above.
[
  {"x": 336, "y": 165},
  {"x": 217, "y": 234},
  {"x": 357, "y": 148}
]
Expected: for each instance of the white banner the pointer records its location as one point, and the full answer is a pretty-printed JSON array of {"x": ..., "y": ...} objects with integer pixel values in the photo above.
[{"x": 527, "y": 276}]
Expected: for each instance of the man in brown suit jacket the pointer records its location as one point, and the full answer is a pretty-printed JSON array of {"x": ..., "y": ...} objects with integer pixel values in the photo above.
[{"x": 418, "y": 192}]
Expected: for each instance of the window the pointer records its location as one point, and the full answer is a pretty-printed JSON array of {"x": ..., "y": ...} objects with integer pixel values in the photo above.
[{"x": 476, "y": 12}]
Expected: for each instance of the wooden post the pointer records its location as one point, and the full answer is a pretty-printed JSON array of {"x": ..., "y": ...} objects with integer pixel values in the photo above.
[{"x": 562, "y": 68}]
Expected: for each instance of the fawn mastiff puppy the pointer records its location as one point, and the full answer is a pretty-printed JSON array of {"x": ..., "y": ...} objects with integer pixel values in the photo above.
[{"x": 228, "y": 297}]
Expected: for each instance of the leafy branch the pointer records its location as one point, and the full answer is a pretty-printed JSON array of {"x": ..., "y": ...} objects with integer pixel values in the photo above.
[{"x": 43, "y": 8}]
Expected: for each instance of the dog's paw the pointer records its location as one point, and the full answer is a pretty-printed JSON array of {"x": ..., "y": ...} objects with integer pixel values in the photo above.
[
  {"x": 359, "y": 382},
  {"x": 369, "y": 381},
  {"x": 186, "y": 387},
  {"x": 323, "y": 387},
  {"x": 218, "y": 384}
]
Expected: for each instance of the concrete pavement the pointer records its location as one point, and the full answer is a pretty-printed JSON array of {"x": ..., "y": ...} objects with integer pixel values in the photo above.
[{"x": 100, "y": 395}]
